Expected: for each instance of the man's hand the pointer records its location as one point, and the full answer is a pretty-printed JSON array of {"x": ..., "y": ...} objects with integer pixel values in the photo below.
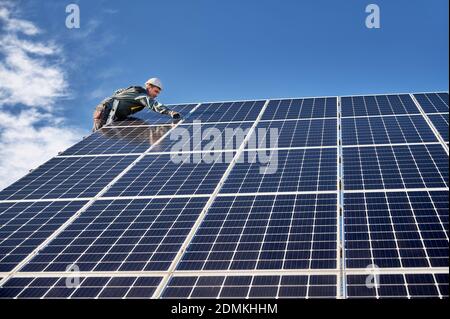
[{"x": 175, "y": 115}]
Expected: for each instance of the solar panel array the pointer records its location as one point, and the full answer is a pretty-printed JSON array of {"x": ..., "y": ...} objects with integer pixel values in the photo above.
[
  {"x": 395, "y": 193},
  {"x": 357, "y": 206}
]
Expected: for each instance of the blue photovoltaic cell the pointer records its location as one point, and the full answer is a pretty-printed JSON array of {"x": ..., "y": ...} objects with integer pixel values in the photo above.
[
  {"x": 399, "y": 229},
  {"x": 184, "y": 109},
  {"x": 68, "y": 178},
  {"x": 227, "y": 112},
  {"x": 399, "y": 286},
  {"x": 119, "y": 140},
  {"x": 301, "y": 109},
  {"x": 440, "y": 122},
  {"x": 312, "y": 286},
  {"x": 433, "y": 102},
  {"x": 266, "y": 232},
  {"x": 89, "y": 287},
  {"x": 122, "y": 235},
  {"x": 388, "y": 167},
  {"x": 386, "y": 130},
  {"x": 284, "y": 171},
  {"x": 167, "y": 174},
  {"x": 148, "y": 117},
  {"x": 378, "y": 105},
  {"x": 25, "y": 225},
  {"x": 204, "y": 137},
  {"x": 294, "y": 133}
]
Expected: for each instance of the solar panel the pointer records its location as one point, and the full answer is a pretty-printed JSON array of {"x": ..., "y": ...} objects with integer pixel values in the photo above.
[
  {"x": 68, "y": 178},
  {"x": 435, "y": 106},
  {"x": 386, "y": 130},
  {"x": 378, "y": 105},
  {"x": 88, "y": 287},
  {"x": 395, "y": 196},
  {"x": 399, "y": 286},
  {"x": 25, "y": 225},
  {"x": 119, "y": 140},
  {"x": 396, "y": 229},
  {"x": 204, "y": 137},
  {"x": 433, "y": 102},
  {"x": 295, "y": 133},
  {"x": 286, "y": 171},
  {"x": 390, "y": 167},
  {"x": 301, "y": 109},
  {"x": 161, "y": 174},
  {"x": 227, "y": 112},
  {"x": 121, "y": 235},
  {"x": 266, "y": 232},
  {"x": 440, "y": 121},
  {"x": 327, "y": 197},
  {"x": 309, "y": 286}
]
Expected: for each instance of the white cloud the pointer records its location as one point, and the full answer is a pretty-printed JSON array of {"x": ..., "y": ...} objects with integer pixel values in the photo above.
[
  {"x": 31, "y": 81},
  {"x": 27, "y": 74},
  {"x": 25, "y": 145},
  {"x": 15, "y": 25}
]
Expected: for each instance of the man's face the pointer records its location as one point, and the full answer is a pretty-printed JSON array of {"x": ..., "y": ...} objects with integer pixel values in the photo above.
[{"x": 153, "y": 91}]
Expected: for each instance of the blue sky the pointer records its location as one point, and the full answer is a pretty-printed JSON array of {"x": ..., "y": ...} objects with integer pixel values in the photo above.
[{"x": 224, "y": 50}]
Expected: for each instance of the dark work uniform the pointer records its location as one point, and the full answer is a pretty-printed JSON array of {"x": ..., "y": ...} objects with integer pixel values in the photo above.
[{"x": 131, "y": 100}]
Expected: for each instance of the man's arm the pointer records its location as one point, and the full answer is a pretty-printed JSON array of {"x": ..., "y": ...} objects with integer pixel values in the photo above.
[{"x": 160, "y": 108}]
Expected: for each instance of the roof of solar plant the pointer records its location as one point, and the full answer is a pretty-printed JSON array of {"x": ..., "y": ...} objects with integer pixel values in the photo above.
[{"x": 285, "y": 198}]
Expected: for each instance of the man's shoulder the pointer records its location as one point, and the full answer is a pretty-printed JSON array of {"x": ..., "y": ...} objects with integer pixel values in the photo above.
[{"x": 132, "y": 89}]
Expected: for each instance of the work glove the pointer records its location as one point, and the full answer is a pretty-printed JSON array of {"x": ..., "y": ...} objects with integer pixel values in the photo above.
[{"x": 175, "y": 115}]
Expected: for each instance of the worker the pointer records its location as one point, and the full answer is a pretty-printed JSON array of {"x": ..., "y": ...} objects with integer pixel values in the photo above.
[{"x": 131, "y": 100}]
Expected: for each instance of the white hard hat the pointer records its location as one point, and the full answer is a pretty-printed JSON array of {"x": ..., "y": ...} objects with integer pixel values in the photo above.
[{"x": 155, "y": 81}]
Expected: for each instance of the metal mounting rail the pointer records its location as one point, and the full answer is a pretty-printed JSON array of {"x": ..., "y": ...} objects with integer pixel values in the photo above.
[
  {"x": 389, "y": 271},
  {"x": 181, "y": 273},
  {"x": 340, "y": 260}
]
